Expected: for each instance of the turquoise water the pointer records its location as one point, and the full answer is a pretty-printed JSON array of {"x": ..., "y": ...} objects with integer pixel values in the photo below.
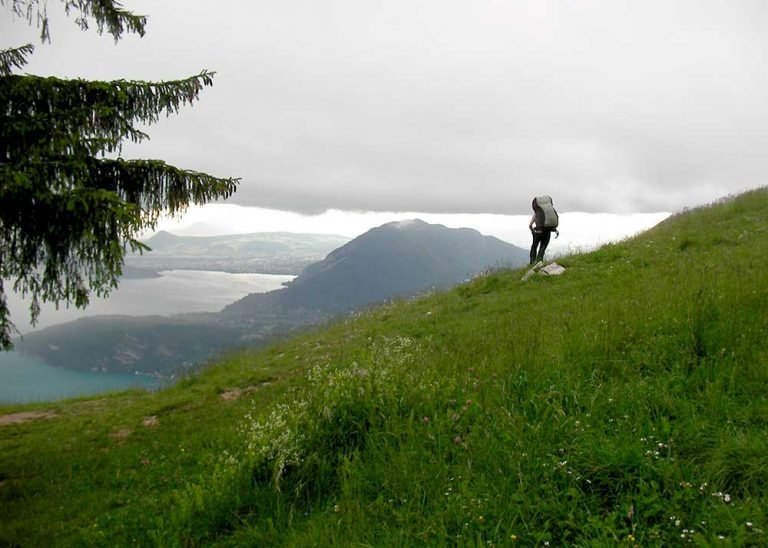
[
  {"x": 25, "y": 379},
  {"x": 176, "y": 291}
]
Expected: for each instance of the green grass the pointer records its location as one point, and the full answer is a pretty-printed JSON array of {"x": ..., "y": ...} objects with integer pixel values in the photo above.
[{"x": 623, "y": 402}]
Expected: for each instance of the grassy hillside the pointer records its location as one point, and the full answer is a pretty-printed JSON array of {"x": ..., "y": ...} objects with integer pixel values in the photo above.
[{"x": 622, "y": 403}]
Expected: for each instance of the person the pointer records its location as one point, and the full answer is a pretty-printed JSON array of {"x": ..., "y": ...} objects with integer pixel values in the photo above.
[{"x": 541, "y": 236}]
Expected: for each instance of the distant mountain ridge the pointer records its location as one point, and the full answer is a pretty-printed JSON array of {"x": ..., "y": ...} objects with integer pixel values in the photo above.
[
  {"x": 241, "y": 245},
  {"x": 397, "y": 259},
  {"x": 259, "y": 252}
]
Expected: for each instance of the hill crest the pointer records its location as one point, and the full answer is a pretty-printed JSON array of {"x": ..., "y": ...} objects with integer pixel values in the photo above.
[{"x": 400, "y": 258}]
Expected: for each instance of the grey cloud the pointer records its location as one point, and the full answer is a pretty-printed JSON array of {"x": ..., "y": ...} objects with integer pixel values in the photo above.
[{"x": 442, "y": 107}]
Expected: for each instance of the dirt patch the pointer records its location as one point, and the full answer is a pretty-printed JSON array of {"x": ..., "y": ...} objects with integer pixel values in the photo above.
[
  {"x": 235, "y": 393},
  {"x": 121, "y": 434},
  {"x": 26, "y": 416},
  {"x": 150, "y": 421}
]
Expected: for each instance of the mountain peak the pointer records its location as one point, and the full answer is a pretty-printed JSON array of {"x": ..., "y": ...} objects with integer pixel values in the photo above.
[
  {"x": 163, "y": 235},
  {"x": 395, "y": 259},
  {"x": 406, "y": 224}
]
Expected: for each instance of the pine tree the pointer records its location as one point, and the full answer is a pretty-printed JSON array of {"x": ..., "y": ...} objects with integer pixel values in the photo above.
[{"x": 70, "y": 206}]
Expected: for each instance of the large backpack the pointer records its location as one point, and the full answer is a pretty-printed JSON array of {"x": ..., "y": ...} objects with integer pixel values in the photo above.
[{"x": 546, "y": 216}]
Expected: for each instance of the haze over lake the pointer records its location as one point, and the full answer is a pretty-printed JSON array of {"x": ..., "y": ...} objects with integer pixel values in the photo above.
[{"x": 173, "y": 292}]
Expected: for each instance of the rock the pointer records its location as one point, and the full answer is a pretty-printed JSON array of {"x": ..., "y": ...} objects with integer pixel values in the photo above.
[{"x": 552, "y": 269}]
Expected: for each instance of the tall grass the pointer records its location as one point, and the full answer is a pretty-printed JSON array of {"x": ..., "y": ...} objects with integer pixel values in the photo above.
[{"x": 623, "y": 402}]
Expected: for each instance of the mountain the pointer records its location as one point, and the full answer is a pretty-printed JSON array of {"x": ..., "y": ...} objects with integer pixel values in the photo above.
[
  {"x": 157, "y": 345},
  {"x": 396, "y": 259},
  {"x": 261, "y": 252}
]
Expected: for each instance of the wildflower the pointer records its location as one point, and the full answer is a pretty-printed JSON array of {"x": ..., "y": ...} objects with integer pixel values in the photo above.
[
  {"x": 336, "y": 508},
  {"x": 457, "y": 440},
  {"x": 481, "y": 519},
  {"x": 749, "y": 524},
  {"x": 513, "y": 537},
  {"x": 726, "y": 498},
  {"x": 425, "y": 420}
]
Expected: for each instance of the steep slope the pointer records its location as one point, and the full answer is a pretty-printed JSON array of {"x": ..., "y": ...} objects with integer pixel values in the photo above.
[{"x": 154, "y": 345}]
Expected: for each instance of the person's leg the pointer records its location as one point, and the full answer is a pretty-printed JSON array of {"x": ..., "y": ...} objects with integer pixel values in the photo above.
[
  {"x": 543, "y": 243},
  {"x": 536, "y": 238}
]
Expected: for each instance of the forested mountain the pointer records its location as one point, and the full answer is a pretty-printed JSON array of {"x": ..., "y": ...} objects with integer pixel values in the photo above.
[{"x": 396, "y": 259}]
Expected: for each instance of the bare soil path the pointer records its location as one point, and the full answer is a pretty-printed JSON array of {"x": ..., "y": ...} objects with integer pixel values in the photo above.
[{"x": 17, "y": 418}]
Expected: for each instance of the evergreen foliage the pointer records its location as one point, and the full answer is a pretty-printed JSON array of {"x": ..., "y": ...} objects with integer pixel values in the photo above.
[{"x": 70, "y": 207}]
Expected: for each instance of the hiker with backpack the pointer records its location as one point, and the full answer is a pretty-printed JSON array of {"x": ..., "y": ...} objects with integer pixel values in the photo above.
[{"x": 543, "y": 223}]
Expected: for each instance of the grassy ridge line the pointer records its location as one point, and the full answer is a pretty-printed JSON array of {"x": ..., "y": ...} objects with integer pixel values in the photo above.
[{"x": 590, "y": 408}]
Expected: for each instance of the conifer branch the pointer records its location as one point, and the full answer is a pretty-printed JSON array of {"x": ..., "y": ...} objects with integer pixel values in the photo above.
[
  {"x": 109, "y": 16},
  {"x": 68, "y": 214},
  {"x": 14, "y": 58},
  {"x": 49, "y": 115}
]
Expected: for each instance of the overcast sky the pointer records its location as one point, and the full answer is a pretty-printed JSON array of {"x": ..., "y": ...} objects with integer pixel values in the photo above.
[{"x": 446, "y": 106}]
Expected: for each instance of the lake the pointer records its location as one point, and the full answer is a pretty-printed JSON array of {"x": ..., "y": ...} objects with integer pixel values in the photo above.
[
  {"x": 176, "y": 291},
  {"x": 25, "y": 379},
  {"x": 173, "y": 292}
]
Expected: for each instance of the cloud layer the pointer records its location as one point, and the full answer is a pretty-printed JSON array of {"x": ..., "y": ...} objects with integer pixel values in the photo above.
[{"x": 451, "y": 107}]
